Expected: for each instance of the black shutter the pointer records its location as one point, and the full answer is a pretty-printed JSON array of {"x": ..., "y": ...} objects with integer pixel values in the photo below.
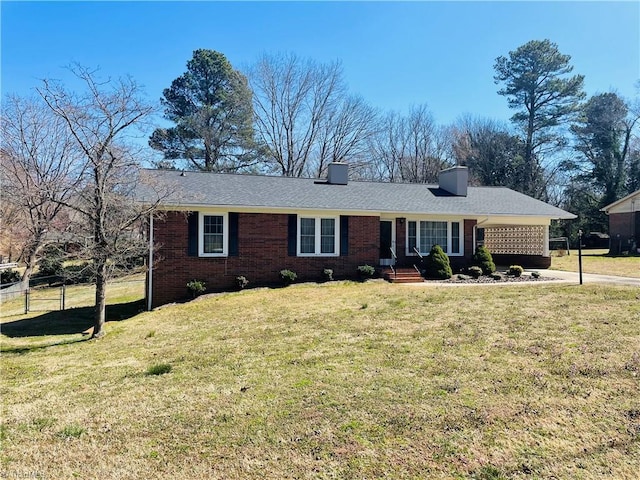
[
  {"x": 233, "y": 234},
  {"x": 192, "y": 228},
  {"x": 292, "y": 233},
  {"x": 344, "y": 235}
]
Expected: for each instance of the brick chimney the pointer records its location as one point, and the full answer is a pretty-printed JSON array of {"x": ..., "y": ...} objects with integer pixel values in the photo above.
[{"x": 454, "y": 180}]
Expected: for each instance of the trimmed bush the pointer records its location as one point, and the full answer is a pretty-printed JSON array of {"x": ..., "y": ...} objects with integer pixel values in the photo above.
[
  {"x": 288, "y": 276},
  {"x": 437, "y": 264},
  {"x": 366, "y": 271},
  {"x": 497, "y": 276},
  {"x": 196, "y": 287},
  {"x": 536, "y": 274},
  {"x": 515, "y": 270},
  {"x": 241, "y": 282},
  {"x": 327, "y": 274},
  {"x": 475, "y": 271},
  {"x": 483, "y": 259}
]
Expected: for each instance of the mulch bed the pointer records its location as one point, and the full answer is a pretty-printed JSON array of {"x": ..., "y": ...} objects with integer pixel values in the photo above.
[{"x": 487, "y": 279}]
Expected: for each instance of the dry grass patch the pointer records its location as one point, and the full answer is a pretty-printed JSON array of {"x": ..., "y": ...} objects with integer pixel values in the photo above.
[
  {"x": 341, "y": 380},
  {"x": 597, "y": 261}
]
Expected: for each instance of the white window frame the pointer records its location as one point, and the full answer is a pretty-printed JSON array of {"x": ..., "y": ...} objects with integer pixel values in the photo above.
[
  {"x": 318, "y": 236},
  {"x": 225, "y": 234},
  {"x": 410, "y": 252}
]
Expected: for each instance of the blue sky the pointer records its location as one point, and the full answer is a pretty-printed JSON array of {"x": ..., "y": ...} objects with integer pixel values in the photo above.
[{"x": 394, "y": 54}]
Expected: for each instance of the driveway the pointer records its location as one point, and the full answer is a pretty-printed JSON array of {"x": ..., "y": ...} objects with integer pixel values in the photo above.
[{"x": 590, "y": 278}]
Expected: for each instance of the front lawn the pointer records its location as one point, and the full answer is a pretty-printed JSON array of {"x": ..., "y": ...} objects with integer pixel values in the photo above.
[
  {"x": 340, "y": 380},
  {"x": 597, "y": 261}
]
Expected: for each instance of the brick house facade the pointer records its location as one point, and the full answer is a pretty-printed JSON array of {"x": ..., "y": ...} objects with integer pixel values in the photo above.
[
  {"x": 216, "y": 227},
  {"x": 624, "y": 224}
]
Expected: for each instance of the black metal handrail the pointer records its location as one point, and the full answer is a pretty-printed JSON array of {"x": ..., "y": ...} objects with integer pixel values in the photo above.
[
  {"x": 395, "y": 259},
  {"x": 421, "y": 260}
]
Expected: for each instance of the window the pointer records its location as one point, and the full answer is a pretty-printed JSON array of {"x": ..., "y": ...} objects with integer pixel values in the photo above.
[
  {"x": 455, "y": 237},
  {"x": 433, "y": 233},
  {"x": 425, "y": 234},
  {"x": 318, "y": 236},
  {"x": 412, "y": 238},
  {"x": 213, "y": 235}
]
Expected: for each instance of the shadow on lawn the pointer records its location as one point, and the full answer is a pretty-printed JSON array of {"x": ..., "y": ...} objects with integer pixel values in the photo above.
[{"x": 67, "y": 322}]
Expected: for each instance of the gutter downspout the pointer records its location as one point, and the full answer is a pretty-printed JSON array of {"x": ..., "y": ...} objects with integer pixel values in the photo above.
[{"x": 150, "y": 266}]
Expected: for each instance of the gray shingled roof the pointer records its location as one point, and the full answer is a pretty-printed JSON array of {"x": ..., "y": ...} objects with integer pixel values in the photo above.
[{"x": 198, "y": 189}]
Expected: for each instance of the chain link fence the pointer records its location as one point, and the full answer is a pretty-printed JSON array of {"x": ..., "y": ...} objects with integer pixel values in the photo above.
[{"x": 47, "y": 294}]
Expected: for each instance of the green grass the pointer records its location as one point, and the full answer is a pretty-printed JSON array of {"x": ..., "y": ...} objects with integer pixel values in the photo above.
[
  {"x": 597, "y": 261},
  {"x": 340, "y": 380}
]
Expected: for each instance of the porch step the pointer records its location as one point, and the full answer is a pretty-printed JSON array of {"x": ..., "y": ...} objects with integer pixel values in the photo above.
[{"x": 402, "y": 275}]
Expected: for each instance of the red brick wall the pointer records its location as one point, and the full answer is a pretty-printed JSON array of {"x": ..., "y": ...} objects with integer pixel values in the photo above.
[
  {"x": 627, "y": 225},
  {"x": 622, "y": 224},
  {"x": 526, "y": 261},
  {"x": 262, "y": 245}
]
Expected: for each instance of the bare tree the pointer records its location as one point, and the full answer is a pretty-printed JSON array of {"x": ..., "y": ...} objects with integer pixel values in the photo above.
[
  {"x": 99, "y": 120},
  {"x": 344, "y": 133},
  {"x": 38, "y": 169},
  {"x": 410, "y": 148},
  {"x": 292, "y": 100}
]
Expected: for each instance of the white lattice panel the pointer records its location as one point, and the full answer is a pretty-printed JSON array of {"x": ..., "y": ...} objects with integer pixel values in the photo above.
[{"x": 525, "y": 240}]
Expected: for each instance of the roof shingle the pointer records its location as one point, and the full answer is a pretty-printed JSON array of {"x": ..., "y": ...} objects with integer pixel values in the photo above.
[{"x": 199, "y": 189}]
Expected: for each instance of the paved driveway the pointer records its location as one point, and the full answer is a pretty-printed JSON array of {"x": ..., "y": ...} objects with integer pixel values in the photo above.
[{"x": 590, "y": 278}]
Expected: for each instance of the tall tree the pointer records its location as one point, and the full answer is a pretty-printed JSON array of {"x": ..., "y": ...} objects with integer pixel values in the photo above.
[
  {"x": 603, "y": 136},
  {"x": 38, "y": 172},
  {"x": 344, "y": 133},
  {"x": 493, "y": 154},
  {"x": 410, "y": 148},
  {"x": 211, "y": 107},
  {"x": 100, "y": 119},
  {"x": 536, "y": 82},
  {"x": 304, "y": 115}
]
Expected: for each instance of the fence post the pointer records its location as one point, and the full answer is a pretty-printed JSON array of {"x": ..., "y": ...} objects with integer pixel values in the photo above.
[
  {"x": 26, "y": 301},
  {"x": 63, "y": 292}
]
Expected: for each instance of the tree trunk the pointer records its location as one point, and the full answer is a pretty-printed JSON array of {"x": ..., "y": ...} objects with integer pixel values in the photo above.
[
  {"x": 527, "y": 180},
  {"x": 101, "y": 300}
]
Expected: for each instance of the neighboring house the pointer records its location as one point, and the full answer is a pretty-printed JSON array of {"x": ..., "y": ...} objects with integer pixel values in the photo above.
[
  {"x": 215, "y": 227},
  {"x": 624, "y": 224}
]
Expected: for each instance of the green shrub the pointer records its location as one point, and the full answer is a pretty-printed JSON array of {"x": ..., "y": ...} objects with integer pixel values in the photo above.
[
  {"x": 483, "y": 259},
  {"x": 536, "y": 274},
  {"x": 496, "y": 276},
  {"x": 365, "y": 271},
  {"x": 241, "y": 282},
  {"x": 159, "y": 369},
  {"x": 327, "y": 274},
  {"x": 9, "y": 276},
  {"x": 437, "y": 264},
  {"x": 79, "y": 273},
  {"x": 515, "y": 270},
  {"x": 288, "y": 276},
  {"x": 475, "y": 271},
  {"x": 50, "y": 266},
  {"x": 196, "y": 287}
]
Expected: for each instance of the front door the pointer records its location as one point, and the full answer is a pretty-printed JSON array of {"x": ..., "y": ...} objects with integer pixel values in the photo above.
[{"x": 386, "y": 242}]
